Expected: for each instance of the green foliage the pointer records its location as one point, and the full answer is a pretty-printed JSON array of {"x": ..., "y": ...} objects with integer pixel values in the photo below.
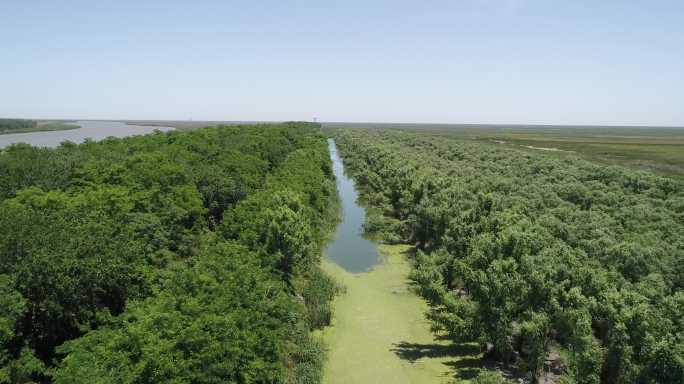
[
  {"x": 490, "y": 377},
  {"x": 16, "y": 124},
  {"x": 221, "y": 317},
  {"x": 184, "y": 257},
  {"x": 318, "y": 292},
  {"x": 307, "y": 357},
  {"x": 8, "y": 126},
  {"x": 68, "y": 262},
  {"x": 281, "y": 230},
  {"x": 12, "y": 307},
  {"x": 524, "y": 251},
  {"x": 22, "y": 369}
]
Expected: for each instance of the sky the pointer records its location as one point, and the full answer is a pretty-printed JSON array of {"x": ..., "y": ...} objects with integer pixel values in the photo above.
[{"x": 422, "y": 61}]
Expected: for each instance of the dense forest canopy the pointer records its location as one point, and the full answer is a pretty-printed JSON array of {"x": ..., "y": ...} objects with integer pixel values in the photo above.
[
  {"x": 557, "y": 266},
  {"x": 180, "y": 257}
]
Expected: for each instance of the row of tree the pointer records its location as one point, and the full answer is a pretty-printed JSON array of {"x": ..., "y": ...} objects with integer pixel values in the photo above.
[
  {"x": 557, "y": 266},
  {"x": 180, "y": 257}
]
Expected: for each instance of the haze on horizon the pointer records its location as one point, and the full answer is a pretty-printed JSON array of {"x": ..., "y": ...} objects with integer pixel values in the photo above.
[{"x": 471, "y": 61}]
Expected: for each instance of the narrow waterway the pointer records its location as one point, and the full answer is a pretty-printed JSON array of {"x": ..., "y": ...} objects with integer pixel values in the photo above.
[
  {"x": 349, "y": 249},
  {"x": 379, "y": 333}
]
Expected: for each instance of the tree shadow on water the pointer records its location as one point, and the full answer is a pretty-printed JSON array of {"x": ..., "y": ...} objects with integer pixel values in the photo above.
[
  {"x": 466, "y": 362},
  {"x": 466, "y": 367},
  {"x": 414, "y": 351}
]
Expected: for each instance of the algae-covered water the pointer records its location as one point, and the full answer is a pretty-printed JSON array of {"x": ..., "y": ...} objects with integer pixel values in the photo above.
[{"x": 379, "y": 333}]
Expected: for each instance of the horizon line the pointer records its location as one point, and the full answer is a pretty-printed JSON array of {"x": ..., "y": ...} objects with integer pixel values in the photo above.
[{"x": 536, "y": 124}]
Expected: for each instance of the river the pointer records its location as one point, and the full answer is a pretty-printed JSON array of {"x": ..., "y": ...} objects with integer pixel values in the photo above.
[
  {"x": 96, "y": 130},
  {"x": 349, "y": 248}
]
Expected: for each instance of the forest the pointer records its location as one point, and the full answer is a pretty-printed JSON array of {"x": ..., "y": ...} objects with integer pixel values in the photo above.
[
  {"x": 179, "y": 257},
  {"x": 9, "y": 125},
  {"x": 560, "y": 269}
]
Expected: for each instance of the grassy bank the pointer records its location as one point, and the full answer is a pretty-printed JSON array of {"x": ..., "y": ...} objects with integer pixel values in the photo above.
[{"x": 379, "y": 332}]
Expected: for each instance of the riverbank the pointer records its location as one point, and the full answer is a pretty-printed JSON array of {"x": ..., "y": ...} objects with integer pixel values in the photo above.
[
  {"x": 379, "y": 333},
  {"x": 44, "y": 126},
  {"x": 77, "y": 132}
]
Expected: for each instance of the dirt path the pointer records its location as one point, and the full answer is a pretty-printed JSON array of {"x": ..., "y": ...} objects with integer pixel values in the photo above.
[{"x": 379, "y": 332}]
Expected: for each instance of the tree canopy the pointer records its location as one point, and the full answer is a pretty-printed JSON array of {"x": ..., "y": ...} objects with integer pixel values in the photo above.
[
  {"x": 555, "y": 264},
  {"x": 179, "y": 257}
]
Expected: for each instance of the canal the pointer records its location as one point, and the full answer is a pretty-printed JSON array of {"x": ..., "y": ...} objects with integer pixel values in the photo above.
[{"x": 349, "y": 249}]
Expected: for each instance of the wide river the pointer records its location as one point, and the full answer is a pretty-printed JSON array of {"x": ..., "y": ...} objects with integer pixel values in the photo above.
[
  {"x": 96, "y": 130},
  {"x": 349, "y": 248}
]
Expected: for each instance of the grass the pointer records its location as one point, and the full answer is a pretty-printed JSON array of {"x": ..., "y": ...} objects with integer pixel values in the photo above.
[
  {"x": 659, "y": 155},
  {"x": 379, "y": 333}
]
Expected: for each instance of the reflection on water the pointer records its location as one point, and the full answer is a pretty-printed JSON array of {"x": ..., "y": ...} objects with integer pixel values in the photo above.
[
  {"x": 96, "y": 130},
  {"x": 349, "y": 249}
]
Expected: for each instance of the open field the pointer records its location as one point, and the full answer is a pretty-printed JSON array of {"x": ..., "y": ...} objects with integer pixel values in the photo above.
[
  {"x": 657, "y": 149},
  {"x": 665, "y": 159},
  {"x": 379, "y": 333}
]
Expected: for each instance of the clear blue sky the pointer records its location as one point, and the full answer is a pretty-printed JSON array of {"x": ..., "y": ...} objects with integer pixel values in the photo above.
[{"x": 468, "y": 61}]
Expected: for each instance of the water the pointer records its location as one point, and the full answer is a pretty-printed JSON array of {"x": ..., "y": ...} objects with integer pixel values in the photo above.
[
  {"x": 96, "y": 130},
  {"x": 349, "y": 248}
]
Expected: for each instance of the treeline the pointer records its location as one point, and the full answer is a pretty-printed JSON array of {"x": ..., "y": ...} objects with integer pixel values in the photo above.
[
  {"x": 7, "y": 125},
  {"x": 560, "y": 268},
  {"x": 180, "y": 257}
]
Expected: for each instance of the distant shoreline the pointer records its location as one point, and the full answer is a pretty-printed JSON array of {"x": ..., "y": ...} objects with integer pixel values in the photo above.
[
  {"x": 44, "y": 126},
  {"x": 186, "y": 124}
]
